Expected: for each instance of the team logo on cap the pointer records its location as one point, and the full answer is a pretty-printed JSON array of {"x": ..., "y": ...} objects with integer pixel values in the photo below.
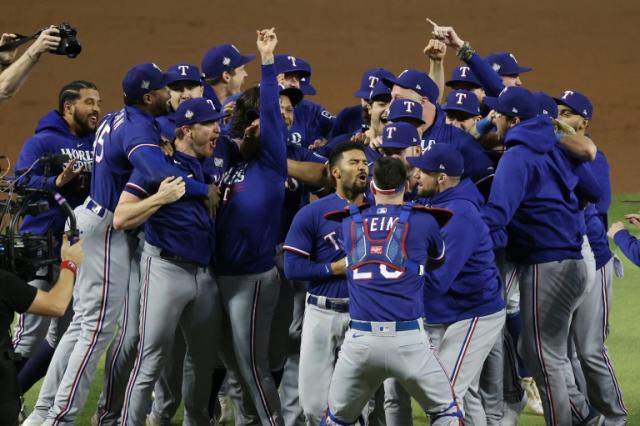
[
  {"x": 183, "y": 69},
  {"x": 567, "y": 93},
  {"x": 514, "y": 110},
  {"x": 372, "y": 81},
  {"x": 463, "y": 71},
  {"x": 145, "y": 84},
  {"x": 188, "y": 115},
  {"x": 584, "y": 111},
  {"x": 226, "y": 61},
  {"x": 418, "y": 87},
  {"x": 442, "y": 167}
]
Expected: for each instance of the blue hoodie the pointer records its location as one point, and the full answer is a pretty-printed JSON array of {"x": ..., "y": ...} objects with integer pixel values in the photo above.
[
  {"x": 467, "y": 285},
  {"x": 596, "y": 215},
  {"x": 54, "y": 137},
  {"x": 534, "y": 194}
]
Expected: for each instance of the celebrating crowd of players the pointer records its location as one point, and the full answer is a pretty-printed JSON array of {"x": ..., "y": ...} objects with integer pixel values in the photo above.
[{"x": 248, "y": 247}]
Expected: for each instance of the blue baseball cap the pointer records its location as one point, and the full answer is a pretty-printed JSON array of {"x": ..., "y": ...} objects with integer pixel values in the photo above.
[
  {"x": 405, "y": 108},
  {"x": 183, "y": 72},
  {"x": 380, "y": 92},
  {"x": 142, "y": 79},
  {"x": 577, "y": 102},
  {"x": 505, "y": 63},
  {"x": 417, "y": 81},
  {"x": 294, "y": 94},
  {"x": 514, "y": 102},
  {"x": 441, "y": 157},
  {"x": 197, "y": 110},
  {"x": 225, "y": 57},
  {"x": 369, "y": 79},
  {"x": 400, "y": 135},
  {"x": 547, "y": 104},
  {"x": 288, "y": 63},
  {"x": 463, "y": 74},
  {"x": 464, "y": 101}
]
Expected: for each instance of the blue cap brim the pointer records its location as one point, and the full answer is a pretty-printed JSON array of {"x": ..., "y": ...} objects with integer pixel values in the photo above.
[
  {"x": 491, "y": 102},
  {"x": 390, "y": 82},
  {"x": 394, "y": 145},
  {"x": 452, "y": 81},
  {"x": 170, "y": 80},
  {"x": 363, "y": 94},
  {"x": 245, "y": 59},
  {"x": 308, "y": 89},
  {"x": 416, "y": 162},
  {"x": 445, "y": 108}
]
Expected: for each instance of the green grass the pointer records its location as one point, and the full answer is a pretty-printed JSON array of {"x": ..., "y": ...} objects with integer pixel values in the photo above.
[{"x": 623, "y": 343}]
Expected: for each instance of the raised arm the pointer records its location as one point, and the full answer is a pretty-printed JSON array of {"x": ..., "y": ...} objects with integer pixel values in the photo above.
[
  {"x": 272, "y": 142},
  {"x": 14, "y": 76}
]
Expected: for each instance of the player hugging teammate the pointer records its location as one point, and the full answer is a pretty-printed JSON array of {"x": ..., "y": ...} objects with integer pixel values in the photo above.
[{"x": 252, "y": 250}]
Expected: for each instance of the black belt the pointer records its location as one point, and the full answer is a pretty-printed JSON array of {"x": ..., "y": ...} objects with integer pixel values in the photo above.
[
  {"x": 172, "y": 257},
  {"x": 341, "y": 306}
]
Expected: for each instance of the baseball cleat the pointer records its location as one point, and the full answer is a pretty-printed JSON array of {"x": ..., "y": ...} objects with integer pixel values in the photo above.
[{"x": 534, "y": 403}]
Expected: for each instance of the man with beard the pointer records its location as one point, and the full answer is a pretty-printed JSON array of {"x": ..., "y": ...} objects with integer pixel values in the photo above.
[
  {"x": 124, "y": 140},
  {"x": 464, "y": 309},
  {"x": 313, "y": 254},
  {"x": 66, "y": 131}
]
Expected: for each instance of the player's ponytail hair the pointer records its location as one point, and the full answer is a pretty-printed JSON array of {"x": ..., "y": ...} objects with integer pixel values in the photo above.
[
  {"x": 246, "y": 111},
  {"x": 71, "y": 92}
]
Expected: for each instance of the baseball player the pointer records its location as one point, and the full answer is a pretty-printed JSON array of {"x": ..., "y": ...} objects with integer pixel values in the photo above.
[
  {"x": 246, "y": 234},
  {"x": 385, "y": 263},
  {"x": 464, "y": 309},
  {"x": 124, "y": 139},
  {"x": 417, "y": 86},
  {"x": 178, "y": 288},
  {"x": 462, "y": 109},
  {"x": 68, "y": 130},
  {"x": 183, "y": 81},
  {"x": 533, "y": 192},
  {"x": 602, "y": 388},
  {"x": 356, "y": 118},
  {"x": 313, "y": 254},
  {"x": 223, "y": 70},
  {"x": 312, "y": 121}
]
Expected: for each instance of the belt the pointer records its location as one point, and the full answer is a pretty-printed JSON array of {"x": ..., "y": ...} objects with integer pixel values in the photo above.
[
  {"x": 383, "y": 326},
  {"x": 166, "y": 255},
  {"x": 96, "y": 208},
  {"x": 341, "y": 306}
]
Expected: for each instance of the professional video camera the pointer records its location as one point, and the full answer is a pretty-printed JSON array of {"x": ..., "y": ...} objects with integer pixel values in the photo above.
[{"x": 25, "y": 254}]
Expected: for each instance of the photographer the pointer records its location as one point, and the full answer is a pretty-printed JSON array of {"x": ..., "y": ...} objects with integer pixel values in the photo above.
[
  {"x": 13, "y": 74},
  {"x": 64, "y": 134},
  {"x": 17, "y": 296}
]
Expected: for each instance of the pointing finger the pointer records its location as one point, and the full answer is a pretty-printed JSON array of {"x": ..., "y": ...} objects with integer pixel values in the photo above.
[{"x": 432, "y": 23}]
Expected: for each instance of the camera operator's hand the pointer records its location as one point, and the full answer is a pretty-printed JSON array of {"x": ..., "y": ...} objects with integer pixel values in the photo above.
[
  {"x": 48, "y": 40},
  {"x": 68, "y": 174},
  {"x": 7, "y": 58},
  {"x": 70, "y": 252}
]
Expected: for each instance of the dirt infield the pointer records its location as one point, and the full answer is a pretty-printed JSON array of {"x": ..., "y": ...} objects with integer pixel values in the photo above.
[{"x": 587, "y": 46}]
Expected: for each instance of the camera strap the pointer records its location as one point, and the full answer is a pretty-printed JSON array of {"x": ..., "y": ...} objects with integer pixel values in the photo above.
[{"x": 19, "y": 41}]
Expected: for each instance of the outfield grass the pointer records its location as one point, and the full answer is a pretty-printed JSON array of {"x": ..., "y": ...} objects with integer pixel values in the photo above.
[{"x": 623, "y": 343}]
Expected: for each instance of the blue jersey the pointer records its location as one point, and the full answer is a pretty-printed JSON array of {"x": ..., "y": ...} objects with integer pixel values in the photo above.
[
  {"x": 316, "y": 238},
  {"x": 183, "y": 228},
  {"x": 297, "y": 193},
  {"x": 248, "y": 220},
  {"x": 489, "y": 79},
  {"x": 629, "y": 245},
  {"x": 467, "y": 284},
  {"x": 126, "y": 139},
  {"x": 378, "y": 293},
  {"x": 167, "y": 125},
  {"x": 310, "y": 122},
  {"x": 348, "y": 121},
  {"x": 477, "y": 163},
  {"x": 53, "y": 137}
]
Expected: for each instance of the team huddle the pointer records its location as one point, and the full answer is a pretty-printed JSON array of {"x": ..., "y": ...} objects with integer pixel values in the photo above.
[{"x": 246, "y": 248}]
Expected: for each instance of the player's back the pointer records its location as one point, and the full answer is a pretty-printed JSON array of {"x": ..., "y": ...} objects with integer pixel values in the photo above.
[
  {"x": 118, "y": 134},
  {"x": 378, "y": 291}
]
